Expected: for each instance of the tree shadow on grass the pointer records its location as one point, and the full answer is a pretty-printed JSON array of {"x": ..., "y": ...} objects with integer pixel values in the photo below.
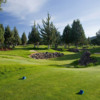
[
  {"x": 98, "y": 61},
  {"x": 31, "y": 48},
  {"x": 68, "y": 57},
  {"x": 20, "y": 79},
  {"x": 75, "y": 57},
  {"x": 75, "y": 64},
  {"x": 78, "y": 93},
  {"x": 62, "y": 66},
  {"x": 95, "y": 50},
  {"x": 40, "y": 48},
  {"x": 23, "y": 48}
]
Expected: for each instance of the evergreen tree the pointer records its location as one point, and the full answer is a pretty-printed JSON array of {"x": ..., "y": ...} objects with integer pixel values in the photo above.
[
  {"x": 16, "y": 37},
  {"x": 24, "y": 39},
  {"x": 8, "y": 35},
  {"x": 78, "y": 35},
  {"x": 67, "y": 36},
  {"x": 88, "y": 41},
  {"x": 94, "y": 41},
  {"x": 47, "y": 31},
  {"x": 12, "y": 39},
  {"x": 56, "y": 38},
  {"x": 1, "y": 25},
  {"x": 29, "y": 36},
  {"x": 1, "y": 35},
  {"x": 20, "y": 41},
  {"x": 34, "y": 36}
]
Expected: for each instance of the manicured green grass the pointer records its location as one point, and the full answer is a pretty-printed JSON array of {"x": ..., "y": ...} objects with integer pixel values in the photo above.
[{"x": 50, "y": 79}]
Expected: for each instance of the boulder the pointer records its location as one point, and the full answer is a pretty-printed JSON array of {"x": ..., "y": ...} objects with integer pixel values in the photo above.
[{"x": 86, "y": 59}]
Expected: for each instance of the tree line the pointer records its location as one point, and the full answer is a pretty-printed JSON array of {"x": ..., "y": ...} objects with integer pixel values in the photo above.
[
  {"x": 49, "y": 35},
  {"x": 46, "y": 34},
  {"x": 10, "y": 37},
  {"x": 74, "y": 34}
]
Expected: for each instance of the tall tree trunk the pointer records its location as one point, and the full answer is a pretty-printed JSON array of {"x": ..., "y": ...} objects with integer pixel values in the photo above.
[
  {"x": 65, "y": 46},
  {"x": 68, "y": 46},
  {"x": 34, "y": 45},
  {"x": 37, "y": 44},
  {"x": 56, "y": 46},
  {"x": 8, "y": 46},
  {"x": 82, "y": 45},
  {"x": 48, "y": 46},
  {"x": 0, "y": 45},
  {"x": 76, "y": 45}
]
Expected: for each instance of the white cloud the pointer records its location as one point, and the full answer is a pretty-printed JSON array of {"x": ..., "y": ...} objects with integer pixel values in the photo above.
[
  {"x": 91, "y": 31},
  {"x": 90, "y": 17},
  {"x": 88, "y": 21},
  {"x": 21, "y": 8},
  {"x": 39, "y": 21},
  {"x": 91, "y": 25},
  {"x": 61, "y": 25}
]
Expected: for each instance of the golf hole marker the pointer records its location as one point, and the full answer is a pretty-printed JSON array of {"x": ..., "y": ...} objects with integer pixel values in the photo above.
[
  {"x": 24, "y": 77},
  {"x": 81, "y": 92}
]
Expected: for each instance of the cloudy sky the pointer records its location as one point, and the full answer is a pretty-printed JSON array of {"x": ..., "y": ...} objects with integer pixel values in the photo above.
[{"x": 22, "y": 13}]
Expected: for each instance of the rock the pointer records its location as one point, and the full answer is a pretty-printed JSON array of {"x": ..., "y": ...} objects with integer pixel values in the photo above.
[
  {"x": 86, "y": 59},
  {"x": 46, "y": 55}
]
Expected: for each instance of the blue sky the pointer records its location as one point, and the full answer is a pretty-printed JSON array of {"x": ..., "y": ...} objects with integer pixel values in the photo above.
[{"x": 22, "y": 13}]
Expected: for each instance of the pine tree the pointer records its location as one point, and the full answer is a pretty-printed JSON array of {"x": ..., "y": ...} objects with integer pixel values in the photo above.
[
  {"x": 56, "y": 38},
  {"x": 8, "y": 35},
  {"x": 16, "y": 37},
  {"x": 78, "y": 35},
  {"x": 1, "y": 25},
  {"x": 1, "y": 35},
  {"x": 34, "y": 36},
  {"x": 88, "y": 40},
  {"x": 12, "y": 39},
  {"x": 47, "y": 31},
  {"x": 24, "y": 39},
  {"x": 67, "y": 35}
]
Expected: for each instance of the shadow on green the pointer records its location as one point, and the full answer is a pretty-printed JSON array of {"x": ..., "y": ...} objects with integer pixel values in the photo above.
[{"x": 68, "y": 57}]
